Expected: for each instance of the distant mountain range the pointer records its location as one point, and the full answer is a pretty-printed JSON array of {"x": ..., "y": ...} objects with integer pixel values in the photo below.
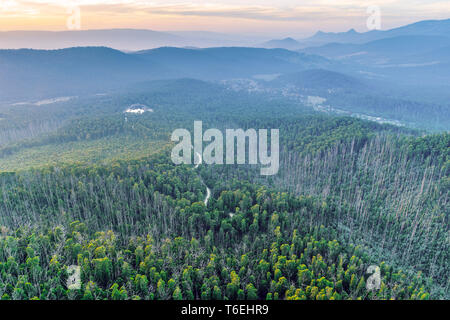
[
  {"x": 422, "y": 28},
  {"x": 43, "y": 73},
  {"x": 415, "y": 55},
  {"x": 389, "y": 50},
  {"x": 121, "y": 39},
  {"x": 134, "y": 39},
  {"x": 229, "y": 62}
]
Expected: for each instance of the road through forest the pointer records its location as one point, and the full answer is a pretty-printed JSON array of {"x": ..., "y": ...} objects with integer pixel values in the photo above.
[{"x": 208, "y": 191}]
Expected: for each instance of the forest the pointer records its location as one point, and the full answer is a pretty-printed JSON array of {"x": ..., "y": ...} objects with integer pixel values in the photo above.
[
  {"x": 140, "y": 231},
  {"x": 83, "y": 183}
]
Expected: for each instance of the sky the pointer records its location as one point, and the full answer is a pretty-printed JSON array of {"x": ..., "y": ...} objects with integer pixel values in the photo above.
[{"x": 262, "y": 17}]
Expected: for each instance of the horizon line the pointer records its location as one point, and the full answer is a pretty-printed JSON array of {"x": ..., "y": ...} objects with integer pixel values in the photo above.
[{"x": 206, "y": 31}]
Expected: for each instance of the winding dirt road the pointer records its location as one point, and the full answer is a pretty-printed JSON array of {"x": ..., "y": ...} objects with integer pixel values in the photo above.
[{"x": 208, "y": 191}]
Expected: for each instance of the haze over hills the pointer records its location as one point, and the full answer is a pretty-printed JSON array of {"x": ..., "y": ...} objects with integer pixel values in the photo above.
[
  {"x": 37, "y": 73},
  {"x": 411, "y": 69},
  {"x": 413, "y": 60},
  {"x": 135, "y": 39},
  {"x": 413, "y": 55},
  {"x": 120, "y": 39},
  {"x": 230, "y": 62},
  {"x": 322, "y": 79},
  {"x": 287, "y": 43},
  {"x": 422, "y": 28},
  {"x": 351, "y": 36},
  {"x": 384, "y": 51}
]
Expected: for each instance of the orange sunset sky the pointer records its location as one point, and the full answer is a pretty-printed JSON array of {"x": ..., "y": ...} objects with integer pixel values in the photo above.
[{"x": 228, "y": 16}]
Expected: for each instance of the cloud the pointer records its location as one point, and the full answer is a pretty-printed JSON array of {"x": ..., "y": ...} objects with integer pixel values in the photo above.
[
  {"x": 186, "y": 9},
  {"x": 283, "y": 11},
  {"x": 263, "y": 12},
  {"x": 250, "y": 9}
]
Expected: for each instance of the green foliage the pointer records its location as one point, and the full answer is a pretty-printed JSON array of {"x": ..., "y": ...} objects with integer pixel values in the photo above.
[
  {"x": 289, "y": 254},
  {"x": 103, "y": 194}
]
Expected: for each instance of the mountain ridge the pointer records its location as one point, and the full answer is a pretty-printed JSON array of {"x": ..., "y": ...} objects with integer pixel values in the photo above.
[
  {"x": 89, "y": 69},
  {"x": 141, "y": 39}
]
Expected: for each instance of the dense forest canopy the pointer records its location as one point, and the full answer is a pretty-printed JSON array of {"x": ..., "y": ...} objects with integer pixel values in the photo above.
[{"x": 350, "y": 193}]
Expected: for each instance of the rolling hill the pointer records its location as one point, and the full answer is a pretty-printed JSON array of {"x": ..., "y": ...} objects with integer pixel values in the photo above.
[
  {"x": 41, "y": 73},
  {"x": 321, "y": 79},
  {"x": 287, "y": 43},
  {"x": 382, "y": 51}
]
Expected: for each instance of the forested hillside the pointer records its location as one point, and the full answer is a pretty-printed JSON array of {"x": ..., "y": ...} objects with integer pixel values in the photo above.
[
  {"x": 389, "y": 193},
  {"x": 139, "y": 230},
  {"x": 98, "y": 189}
]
